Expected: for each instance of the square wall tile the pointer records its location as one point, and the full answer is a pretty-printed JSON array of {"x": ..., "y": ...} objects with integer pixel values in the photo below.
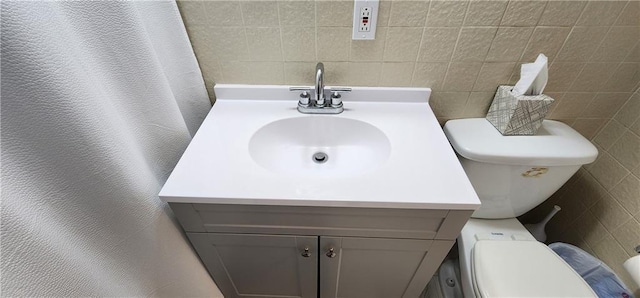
[
  {"x": 485, "y": 13},
  {"x": 267, "y": 73},
  {"x": 634, "y": 54},
  {"x": 299, "y": 73},
  {"x": 223, "y": 13},
  {"x": 299, "y": 43},
  {"x": 609, "y": 251},
  {"x": 617, "y": 44},
  {"x": 384, "y": 11},
  {"x": 474, "y": 43},
  {"x": 610, "y": 213},
  {"x": 402, "y": 44},
  {"x": 369, "y": 50},
  {"x": 627, "y": 235},
  {"x": 334, "y": 13},
  {"x": 446, "y": 13},
  {"x": 600, "y": 13},
  {"x": 264, "y": 44},
  {"x": 608, "y": 171},
  {"x": 546, "y": 40},
  {"x": 593, "y": 76},
  {"x": 408, "y": 13},
  {"x": 478, "y": 104},
  {"x": 561, "y": 13},
  {"x": 635, "y": 128},
  {"x": 604, "y": 105},
  {"x": 448, "y": 105},
  {"x": 627, "y": 150},
  {"x": 438, "y": 43},
  {"x": 397, "y": 74},
  {"x": 260, "y": 13},
  {"x": 509, "y": 43},
  {"x": 627, "y": 193},
  {"x": 202, "y": 44},
  {"x": 333, "y": 43},
  {"x": 229, "y": 43},
  {"x": 587, "y": 190},
  {"x": 609, "y": 134},
  {"x": 297, "y": 13},
  {"x": 253, "y": 72},
  {"x": 492, "y": 75},
  {"x": 630, "y": 15},
  {"x": 523, "y": 13},
  {"x": 193, "y": 13},
  {"x": 630, "y": 111},
  {"x": 572, "y": 105},
  {"x": 430, "y": 75},
  {"x": 625, "y": 78},
  {"x": 356, "y": 69},
  {"x": 588, "y": 127},
  {"x": 337, "y": 73},
  {"x": 581, "y": 42},
  {"x": 461, "y": 76},
  {"x": 562, "y": 75},
  {"x": 590, "y": 228}
]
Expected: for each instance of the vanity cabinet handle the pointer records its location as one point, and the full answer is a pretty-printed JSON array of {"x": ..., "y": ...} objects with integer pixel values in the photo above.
[
  {"x": 306, "y": 252},
  {"x": 331, "y": 253}
]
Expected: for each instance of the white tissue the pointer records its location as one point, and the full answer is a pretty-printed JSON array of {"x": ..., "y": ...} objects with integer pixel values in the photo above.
[{"x": 533, "y": 77}]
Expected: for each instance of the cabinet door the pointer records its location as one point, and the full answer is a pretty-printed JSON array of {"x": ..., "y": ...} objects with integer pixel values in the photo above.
[
  {"x": 378, "y": 267},
  {"x": 246, "y": 265}
]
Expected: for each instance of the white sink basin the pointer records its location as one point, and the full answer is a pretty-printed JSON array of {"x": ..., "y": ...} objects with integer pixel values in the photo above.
[
  {"x": 318, "y": 146},
  {"x": 386, "y": 150}
]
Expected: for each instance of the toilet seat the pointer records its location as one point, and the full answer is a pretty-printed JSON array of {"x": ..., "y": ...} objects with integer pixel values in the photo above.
[{"x": 523, "y": 269}]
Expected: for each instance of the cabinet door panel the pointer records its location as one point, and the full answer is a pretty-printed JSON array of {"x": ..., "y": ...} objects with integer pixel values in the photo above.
[
  {"x": 247, "y": 265},
  {"x": 376, "y": 267}
]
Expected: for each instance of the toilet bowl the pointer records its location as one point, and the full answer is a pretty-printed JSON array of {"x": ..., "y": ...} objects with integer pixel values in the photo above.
[{"x": 512, "y": 175}]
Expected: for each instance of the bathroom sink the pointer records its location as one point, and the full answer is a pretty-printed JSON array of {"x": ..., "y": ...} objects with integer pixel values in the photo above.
[
  {"x": 317, "y": 146},
  {"x": 385, "y": 150}
]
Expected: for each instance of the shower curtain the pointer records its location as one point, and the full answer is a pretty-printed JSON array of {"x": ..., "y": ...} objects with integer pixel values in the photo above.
[{"x": 98, "y": 102}]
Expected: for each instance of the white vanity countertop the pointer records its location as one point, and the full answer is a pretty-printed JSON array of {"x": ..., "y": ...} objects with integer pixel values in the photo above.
[{"x": 422, "y": 171}]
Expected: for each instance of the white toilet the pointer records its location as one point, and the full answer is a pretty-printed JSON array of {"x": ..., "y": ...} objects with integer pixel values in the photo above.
[{"x": 512, "y": 175}]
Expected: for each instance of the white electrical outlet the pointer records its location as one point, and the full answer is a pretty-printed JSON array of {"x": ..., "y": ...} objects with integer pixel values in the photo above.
[{"x": 365, "y": 17}]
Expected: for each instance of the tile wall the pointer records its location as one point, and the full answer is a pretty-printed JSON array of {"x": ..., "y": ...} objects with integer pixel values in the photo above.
[
  {"x": 463, "y": 50},
  {"x": 601, "y": 204}
]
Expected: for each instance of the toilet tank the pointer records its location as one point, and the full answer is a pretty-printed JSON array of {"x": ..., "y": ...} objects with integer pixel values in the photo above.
[{"x": 514, "y": 174}]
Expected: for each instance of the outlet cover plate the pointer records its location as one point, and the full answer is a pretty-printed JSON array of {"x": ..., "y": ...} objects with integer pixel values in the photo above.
[{"x": 364, "y": 27}]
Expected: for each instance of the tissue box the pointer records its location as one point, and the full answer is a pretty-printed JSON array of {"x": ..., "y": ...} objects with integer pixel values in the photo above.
[{"x": 518, "y": 115}]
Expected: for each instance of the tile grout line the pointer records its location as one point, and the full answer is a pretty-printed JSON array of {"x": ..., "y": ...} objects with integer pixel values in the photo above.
[
  {"x": 284, "y": 69},
  {"x": 564, "y": 43}
]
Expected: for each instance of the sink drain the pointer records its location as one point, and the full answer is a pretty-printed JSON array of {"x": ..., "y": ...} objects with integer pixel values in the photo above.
[{"x": 320, "y": 157}]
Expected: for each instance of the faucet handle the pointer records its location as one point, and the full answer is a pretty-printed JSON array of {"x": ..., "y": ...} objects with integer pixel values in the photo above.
[
  {"x": 341, "y": 89},
  {"x": 336, "y": 98},
  {"x": 304, "y": 96}
]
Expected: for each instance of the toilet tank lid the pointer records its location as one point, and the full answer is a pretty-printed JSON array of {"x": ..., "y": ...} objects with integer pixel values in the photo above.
[
  {"x": 505, "y": 268},
  {"x": 555, "y": 144}
]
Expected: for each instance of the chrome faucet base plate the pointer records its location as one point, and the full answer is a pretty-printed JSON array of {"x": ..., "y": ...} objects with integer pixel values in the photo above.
[{"x": 320, "y": 110}]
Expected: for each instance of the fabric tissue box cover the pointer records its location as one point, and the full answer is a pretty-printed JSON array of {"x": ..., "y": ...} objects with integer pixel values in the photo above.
[{"x": 518, "y": 115}]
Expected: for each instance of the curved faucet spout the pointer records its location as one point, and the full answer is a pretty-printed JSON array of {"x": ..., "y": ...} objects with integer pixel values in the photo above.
[{"x": 320, "y": 84}]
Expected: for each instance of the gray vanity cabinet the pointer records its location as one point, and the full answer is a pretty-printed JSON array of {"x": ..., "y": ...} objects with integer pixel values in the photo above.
[
  {"x": 372, "y": 267},
  {"x": 245, "y": 265},
  {"x": 260, "y": 251}
]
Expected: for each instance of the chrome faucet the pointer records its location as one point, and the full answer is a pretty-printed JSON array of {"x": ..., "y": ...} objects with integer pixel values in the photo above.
[
  {"x": 319, "y": 104},
  {"x": 320, "y": 84}
]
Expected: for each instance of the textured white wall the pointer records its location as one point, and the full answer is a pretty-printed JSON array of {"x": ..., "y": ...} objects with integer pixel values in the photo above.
[{"x": 98, "y": 101}]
